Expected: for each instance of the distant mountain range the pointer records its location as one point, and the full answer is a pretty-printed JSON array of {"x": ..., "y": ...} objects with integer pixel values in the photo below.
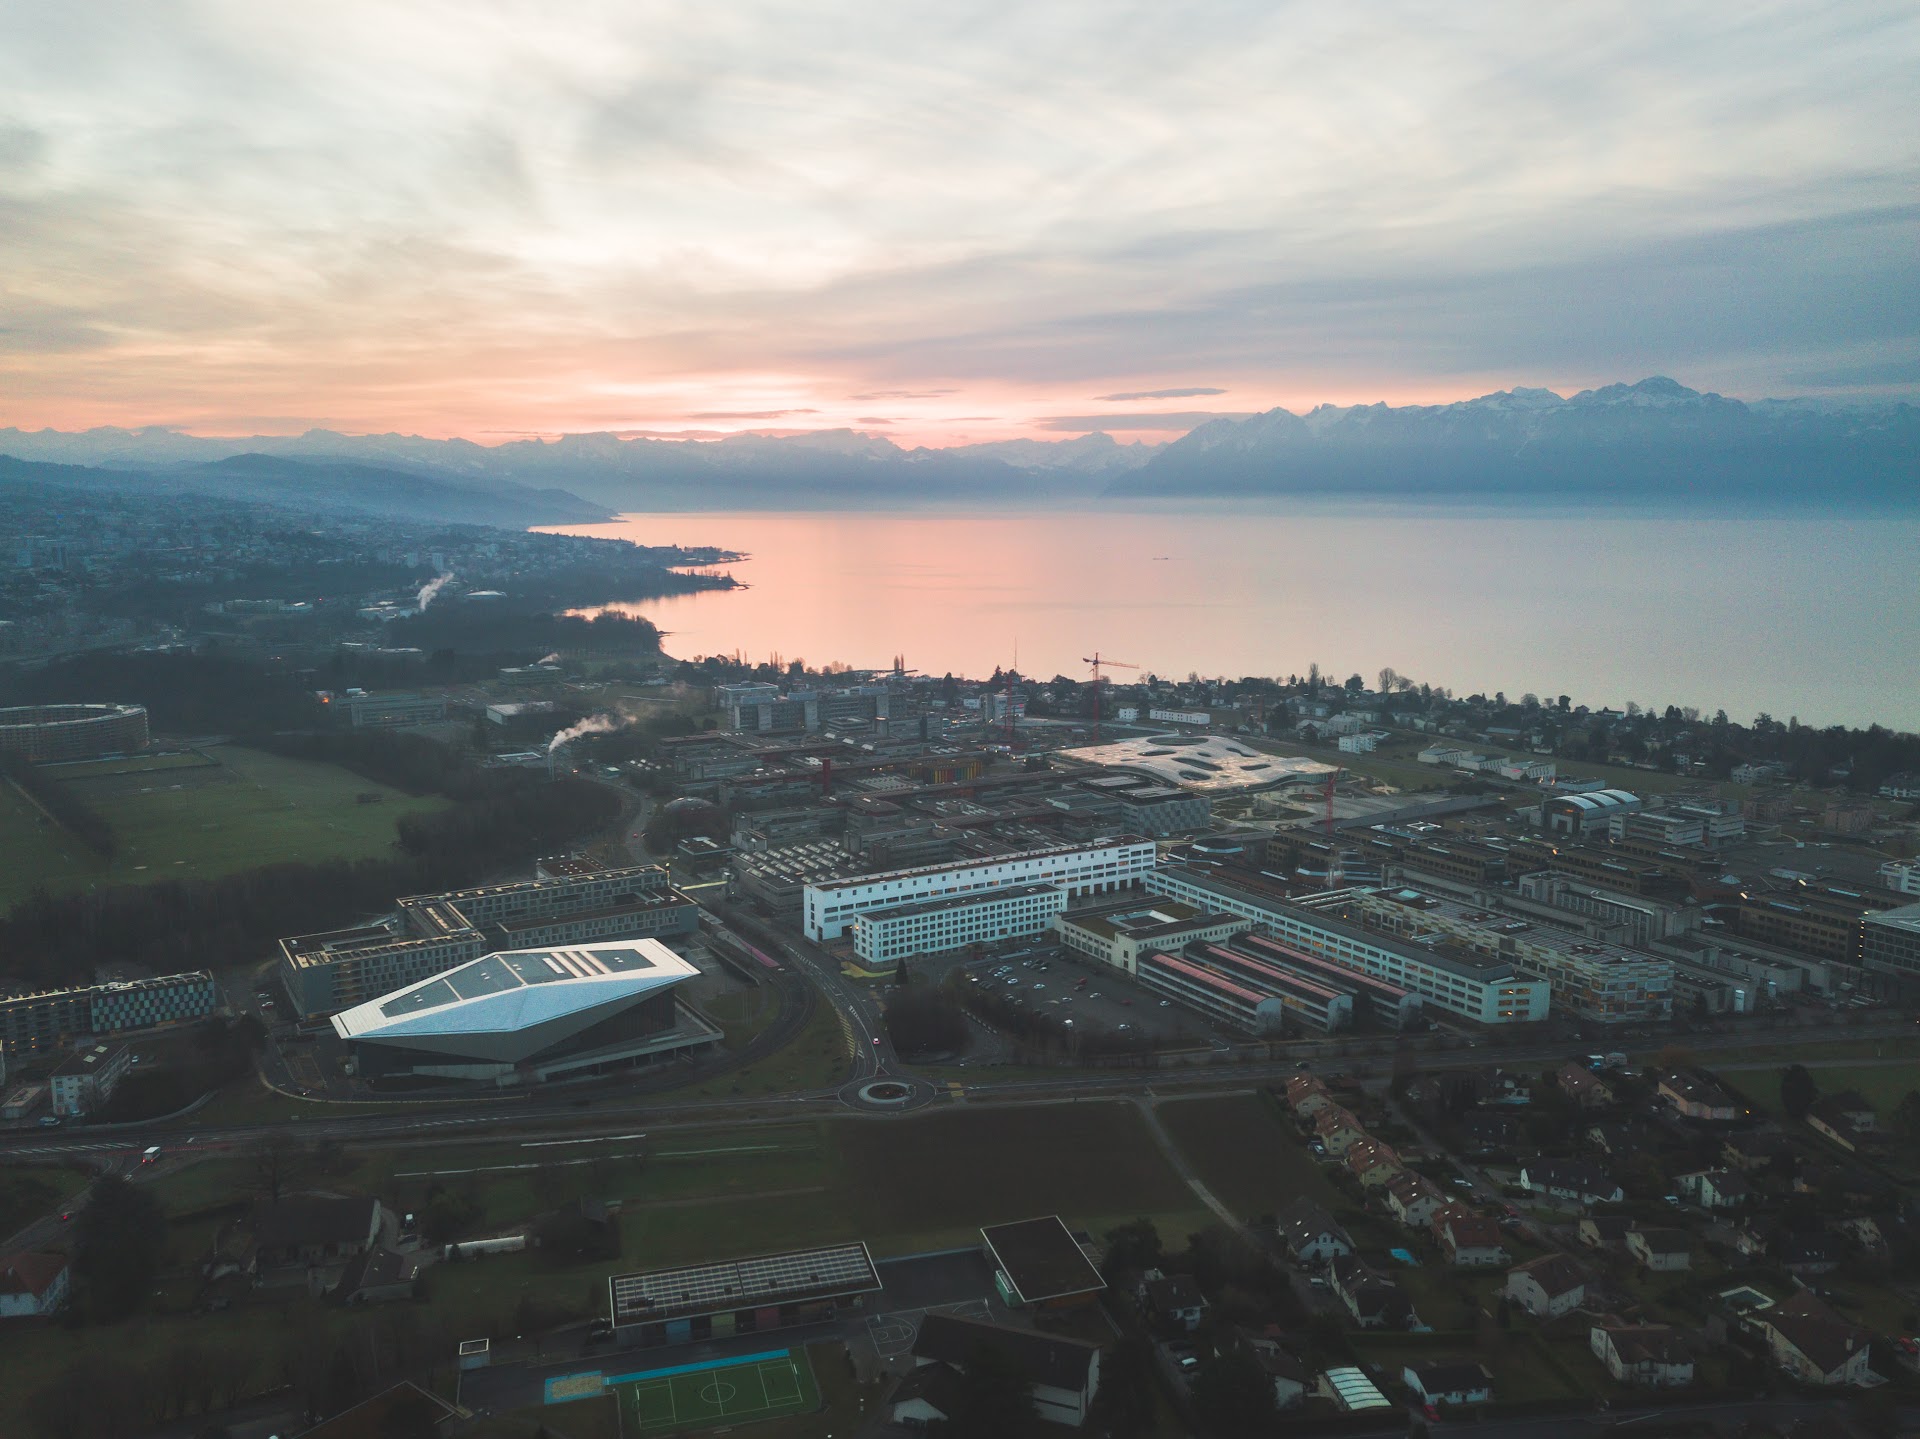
[
  {"x": 824, "y": 469},
  {"x": 329, "y": 486},
  {"x": 1656, "y": 438}
]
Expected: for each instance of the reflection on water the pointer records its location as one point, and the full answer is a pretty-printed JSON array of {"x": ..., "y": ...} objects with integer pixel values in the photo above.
[{"x": 1817, "y": 617}]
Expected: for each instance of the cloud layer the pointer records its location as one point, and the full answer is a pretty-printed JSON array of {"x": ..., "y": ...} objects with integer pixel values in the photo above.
[{"x": 458, "y": 218}]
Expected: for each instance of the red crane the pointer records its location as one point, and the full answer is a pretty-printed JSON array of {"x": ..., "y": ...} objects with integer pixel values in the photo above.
[{"x": 1096, "y": 661}]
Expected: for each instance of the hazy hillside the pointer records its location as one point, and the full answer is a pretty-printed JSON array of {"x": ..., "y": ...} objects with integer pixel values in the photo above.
[{"x": 327, "y": 485}]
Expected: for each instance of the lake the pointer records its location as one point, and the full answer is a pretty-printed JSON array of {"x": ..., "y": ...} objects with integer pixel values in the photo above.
[{"x": 1805, "y": 613}]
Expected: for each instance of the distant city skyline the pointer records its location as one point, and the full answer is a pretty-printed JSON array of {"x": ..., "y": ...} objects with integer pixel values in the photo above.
[{"x": 946, "y": 227}]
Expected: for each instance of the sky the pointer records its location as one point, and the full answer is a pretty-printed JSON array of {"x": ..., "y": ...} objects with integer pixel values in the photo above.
[{"x": 941, "y": 223}]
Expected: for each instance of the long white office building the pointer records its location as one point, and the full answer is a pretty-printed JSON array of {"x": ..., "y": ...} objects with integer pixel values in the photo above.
[
  {"x": 829, "y": 907},
  {"x": 936, "y": 925},
  {"x": 1488, "y": 991}
]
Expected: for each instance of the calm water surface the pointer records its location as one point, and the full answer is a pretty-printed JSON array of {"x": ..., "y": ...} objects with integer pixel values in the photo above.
[{"x": 1806, "y": 614}]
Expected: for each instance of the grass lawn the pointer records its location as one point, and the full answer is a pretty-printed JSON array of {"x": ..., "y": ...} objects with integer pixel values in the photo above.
[
  {"x": 203, "y": 821},
  {"x": 816, "y": 1059},
  {"x": 27, "y": 1194},
  {"x": 1246, "y": 1154},
  {"x": 1882, "y": 1085}
]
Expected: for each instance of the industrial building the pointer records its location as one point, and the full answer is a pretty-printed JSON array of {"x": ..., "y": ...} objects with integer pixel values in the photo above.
[
  {"x": 1488, "y": 991},
  {"x": 1237, "y": 1005},
  {"x": 48, "y": 734},
  {"x": 565, "y": 904},
  {"x": 87, "y": 1078},
  {"x": 1383, "y": 1005},
  {"x": 829, "y": 906},
  {"x": 935, "y": 926},
  {"x": 393, "y": 710},
  {"x": 1118, "y": 934},
  {"x": 1581, "y": 815},
  {"x": 740, "y": 1296},
  {"x": 41, "y": 1023},
  {"x": 1890, "y": 943},
  {"x": 531, "y": 1014},
  {"x": 1599, "y": 982},
  {"x": 1309, "y": 1003}
]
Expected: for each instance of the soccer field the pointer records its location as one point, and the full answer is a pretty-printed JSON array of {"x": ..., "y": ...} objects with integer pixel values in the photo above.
[{"x": 757, "y": 1387}]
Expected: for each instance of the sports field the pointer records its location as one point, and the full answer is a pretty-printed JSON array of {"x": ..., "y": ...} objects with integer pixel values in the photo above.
[
  {"x": 213, "y": 813},
  {"x": 755, "y": 1386}
]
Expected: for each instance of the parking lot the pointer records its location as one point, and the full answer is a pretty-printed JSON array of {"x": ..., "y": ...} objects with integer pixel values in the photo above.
[{"x": 1051, "y": 980}]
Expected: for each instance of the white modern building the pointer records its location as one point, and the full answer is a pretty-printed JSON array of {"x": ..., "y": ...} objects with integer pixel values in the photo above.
[
  {"x": 1489, "y": 991},
  {"x": 1902, "y": 876},
  {"x": 937, "y": 925},
  {"x": 829, "y": 907},
  {"x": 1580, "y": 815},
  {"x": 532, "y": 1013}
]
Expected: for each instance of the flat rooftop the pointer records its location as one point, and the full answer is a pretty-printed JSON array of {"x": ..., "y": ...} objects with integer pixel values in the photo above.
[
  {"x": 1200, "y": 764},
  {"x": 960, "y": 901},
  {"x": 1041, "y": 1260},
  {"x": 793, "y": 1277}
]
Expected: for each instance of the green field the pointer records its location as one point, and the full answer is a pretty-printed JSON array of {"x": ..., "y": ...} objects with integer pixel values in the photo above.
[
  {"x": 198, "y": 820},
  {"x": 1245, "y": 1154},
  {"x": 723, "y": 1394},
  {"x": 1881, "y": 1085}
]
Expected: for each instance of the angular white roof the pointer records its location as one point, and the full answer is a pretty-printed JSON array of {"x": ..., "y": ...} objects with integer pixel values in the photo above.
[{"x": 531, "y": 994}]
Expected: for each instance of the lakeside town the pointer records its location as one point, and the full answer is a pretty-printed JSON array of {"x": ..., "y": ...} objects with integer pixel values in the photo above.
[{"x": 1288, "y": 1054}]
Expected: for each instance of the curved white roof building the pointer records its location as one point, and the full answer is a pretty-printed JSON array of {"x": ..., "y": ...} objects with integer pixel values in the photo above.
[{"x": 518, "y": 1005}]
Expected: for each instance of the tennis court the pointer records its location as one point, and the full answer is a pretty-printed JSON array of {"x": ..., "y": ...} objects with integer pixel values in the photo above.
[{"x": 754, "y": 1386}]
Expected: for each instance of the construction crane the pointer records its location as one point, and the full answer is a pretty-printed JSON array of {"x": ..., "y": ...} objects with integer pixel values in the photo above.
[{"x": 1096, "y": 660}]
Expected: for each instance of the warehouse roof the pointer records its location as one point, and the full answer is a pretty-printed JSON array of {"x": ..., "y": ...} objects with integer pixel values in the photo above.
[{"x": 792, "y": 1277}]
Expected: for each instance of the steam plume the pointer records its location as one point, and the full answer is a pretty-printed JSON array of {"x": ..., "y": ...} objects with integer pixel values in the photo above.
[
  {"x": 432, "y": 588},
  {"x": 548, "y": 660},
  {"x": 593, "y": 724}
]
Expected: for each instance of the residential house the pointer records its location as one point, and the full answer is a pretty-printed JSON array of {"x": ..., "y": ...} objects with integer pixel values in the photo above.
[
  {"x": 1062, "y": 1374},
  {"x": 1646, "y": 1356},
  {"x": 1337, "y": 1130},
  {"x": 1605, "y": 1231},
  {"x": 1715, "y": 1188},
  {"x": 1488, "y": 1131},
  {"x": 1469, "y": 1240},
  {"x": 1373, "y": 1162},
  {"x": 1373, "y": 1301},
  {"x": 1808, "y": 1254},
  {"x": 1502, "y": 1087},
  {"x": 1413, "y": 1198},
  {"x": 1756, "y": 1150},
  {"x": 928, "y": 1394},
  {"x": 1813, "y": 1344},
  {"x": 1661, "y": 1251},
  {"x": 1449, "y": 1381},
  {"x": 1310, "y": 1233},
  {"x": 1865, "y": 1231},
  {"x": 377, "y": 1276},
  {"x": 1695, "y": 1096},
  {"x": 1845, "y": 1118},
  {"x": 33, "y": 1283},
  {"x": 1570, "y": 1181},
  {"x": 1307, "y": 1095},
  {"x": 1616, "y": 1138},
  {"x": 1173, "y": 1300},
  {"x": 313, "y": 1230},
  {"x": 1547, "y": 1287},
  {"x": 1287, "y": 1374},
  {"x": 1585, "y": 1088}
]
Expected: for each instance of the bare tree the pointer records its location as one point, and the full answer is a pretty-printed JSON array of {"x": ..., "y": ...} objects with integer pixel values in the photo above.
[{"x": 280, "y": 1164}]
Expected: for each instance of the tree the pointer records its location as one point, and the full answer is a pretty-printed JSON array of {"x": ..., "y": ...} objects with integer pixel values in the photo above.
[
  {"x": 1233, "y": 1396},
  {"x": 900, "y": 972},
  {"x": 1133, "y": 1247},
  {"x": 1797, "y": 1090},
  {"x": 1123, "y": 1406},
  {"x": 280, "y": 1163},
  {"x": 1906, "y": 1116},
  {"x": 117, "y": 1243}
]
